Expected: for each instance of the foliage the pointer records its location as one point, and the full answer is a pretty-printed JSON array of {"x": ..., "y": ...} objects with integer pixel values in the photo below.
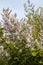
[{"x": 22, "y": 43}]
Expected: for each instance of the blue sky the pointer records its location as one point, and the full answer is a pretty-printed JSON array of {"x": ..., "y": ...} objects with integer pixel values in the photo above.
[{"x": 18, "y": 6}]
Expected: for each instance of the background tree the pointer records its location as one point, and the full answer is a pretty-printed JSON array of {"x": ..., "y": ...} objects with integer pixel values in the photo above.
[{"x": 21, "y": 43}]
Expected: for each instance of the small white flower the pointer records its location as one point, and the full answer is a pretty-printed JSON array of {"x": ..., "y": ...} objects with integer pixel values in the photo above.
[
  {"x": 20, "y": 50},
  {"x": 1, "y": 49},
  {"x": 17, "y": 37},
  {"x": 7, "y": 42},
  {"x": 32, "y": 49},
  {"x": 28, "y": 40},
  {"x": 28, "y": 45},
  {"x": 7, "y": 54}
]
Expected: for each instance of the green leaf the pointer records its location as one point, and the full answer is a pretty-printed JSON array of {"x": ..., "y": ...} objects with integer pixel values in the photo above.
[
  {"x": 34, "y": 53},
  {"x": 1, "y": 32},
  {"x": 41, "y": 62},
  {"x": 41, "y": 53}
]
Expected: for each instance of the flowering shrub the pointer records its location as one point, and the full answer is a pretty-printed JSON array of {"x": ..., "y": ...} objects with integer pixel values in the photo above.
[{"x": 21, "y": 43}]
